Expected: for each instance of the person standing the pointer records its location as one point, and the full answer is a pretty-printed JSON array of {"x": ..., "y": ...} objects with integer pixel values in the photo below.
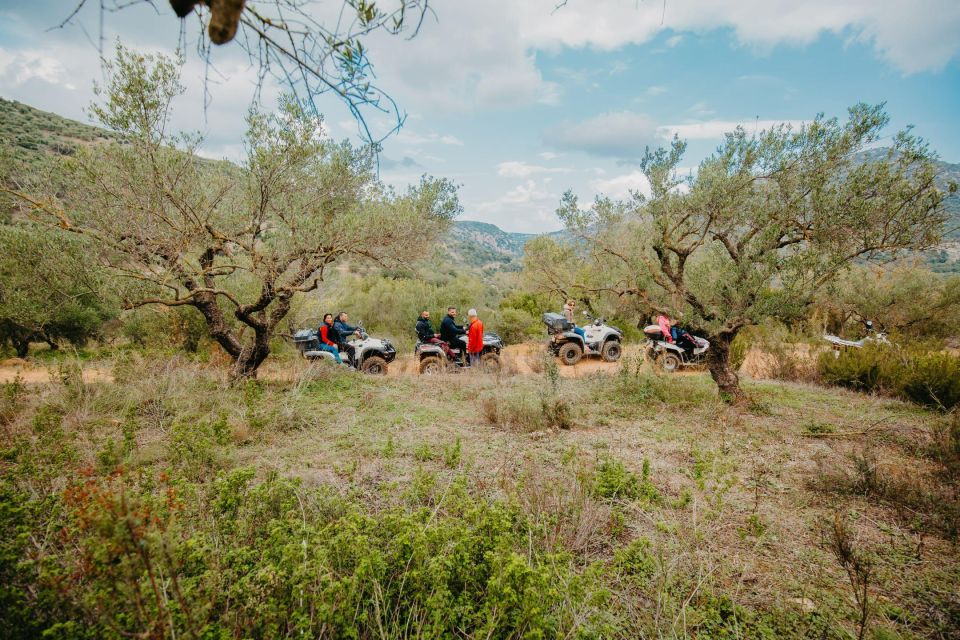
[{"x": 474, "y": 338}]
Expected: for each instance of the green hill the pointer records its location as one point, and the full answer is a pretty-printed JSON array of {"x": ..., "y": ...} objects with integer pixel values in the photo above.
[{"x": 32, "y": 132}]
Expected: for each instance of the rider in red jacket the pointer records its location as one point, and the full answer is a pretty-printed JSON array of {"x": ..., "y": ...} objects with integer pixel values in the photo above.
[{"x": 474, "y": 337}]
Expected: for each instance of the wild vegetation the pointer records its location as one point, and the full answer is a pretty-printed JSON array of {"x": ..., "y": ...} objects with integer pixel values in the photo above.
[
  {"x": 152, "y": 487},
  {"x": 170, "y": 502}
]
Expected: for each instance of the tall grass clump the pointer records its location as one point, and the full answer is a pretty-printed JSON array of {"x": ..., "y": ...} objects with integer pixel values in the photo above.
[
  {"x": 524, "y": 409},
  {"x": 635, "y": 384}
]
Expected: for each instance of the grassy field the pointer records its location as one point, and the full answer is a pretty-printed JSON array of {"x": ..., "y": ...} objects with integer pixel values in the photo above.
[{"x": 170, "y": 504}]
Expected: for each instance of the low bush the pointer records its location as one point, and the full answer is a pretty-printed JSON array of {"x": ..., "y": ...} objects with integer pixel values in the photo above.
[
  {"x": 613, "y": 481},
  {"x": 928, "y": 378}
]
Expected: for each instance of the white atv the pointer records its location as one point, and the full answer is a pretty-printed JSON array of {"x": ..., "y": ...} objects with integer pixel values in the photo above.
[
  {"x": 366, "y": 354},
  {"x": 599, "y": 339},
  {"x": 671, "y": 357},
  {"x": 873, "y": 336}
]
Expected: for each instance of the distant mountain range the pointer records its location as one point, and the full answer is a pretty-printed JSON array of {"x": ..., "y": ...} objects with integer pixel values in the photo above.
[{"x": 32, "y": 133}]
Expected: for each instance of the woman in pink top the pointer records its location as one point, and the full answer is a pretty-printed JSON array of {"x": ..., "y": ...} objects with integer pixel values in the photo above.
[{"x": 664, "y": 323}]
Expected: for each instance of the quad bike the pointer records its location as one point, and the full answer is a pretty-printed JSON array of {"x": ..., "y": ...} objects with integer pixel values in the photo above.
[
  {"x": 366, "y": 354},
  {"x": 432, "y": 359},
  {"x": 601, "y": 339},
  {"x": 671, "y": 357},
  {"x": 873, "y": 336}
]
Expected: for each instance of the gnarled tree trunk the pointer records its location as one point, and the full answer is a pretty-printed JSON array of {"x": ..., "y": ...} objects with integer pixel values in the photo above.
[
  {"x": 722, "y": 370},
  {"x": 21, "y": 346}
]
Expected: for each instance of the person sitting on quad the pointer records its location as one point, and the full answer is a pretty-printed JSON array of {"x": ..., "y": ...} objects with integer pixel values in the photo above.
[
  {"x": 326, "y": 342},
  {"x": 426, "y": 335},
  {"x": 343, "y": 331},
  {"x": 674, "y": 334},
  {"x": 665, "y": 324},
  {"x": 568, "y": 310},
  {"x": 450, "y": 331}
]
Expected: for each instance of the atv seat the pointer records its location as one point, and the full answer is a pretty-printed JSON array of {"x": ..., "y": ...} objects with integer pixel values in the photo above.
[{"x": 653, "y": 332}]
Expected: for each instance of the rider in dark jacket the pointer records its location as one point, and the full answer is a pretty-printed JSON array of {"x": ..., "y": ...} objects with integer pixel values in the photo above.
[
  {"x": 425, "y": 328},
  {"x": 342, "y": 329},
  {"x": 426, "y": 335},
  {"x": 450, "y": 331}
]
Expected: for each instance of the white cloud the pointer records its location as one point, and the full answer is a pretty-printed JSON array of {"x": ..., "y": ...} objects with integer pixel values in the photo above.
[
  {"x": 620, "y": 187},
  {"x": 655, "y": 91},
  {"x": 411, "y": 137},
  {"x": 913, "y": 36},
  {"x": 616, "y": 134},
  {"x": 673, "y": 41},
  {"x": 515, "y": 169},
  {"x": 625, "y": 134},
  {"x": 19, "y": 67},
  {"x": 529, "y": 206},
  {"x": 700, "y": 110},
  {"x": 549, "y": 155}
]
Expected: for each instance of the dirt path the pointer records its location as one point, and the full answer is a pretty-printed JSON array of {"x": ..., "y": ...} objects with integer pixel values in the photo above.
[{"x": 523, "y": 359}]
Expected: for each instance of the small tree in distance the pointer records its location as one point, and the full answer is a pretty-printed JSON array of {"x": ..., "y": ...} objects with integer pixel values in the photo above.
[
  {"x": 767, "y": 221},
  {"x": 235, "y": 242}
]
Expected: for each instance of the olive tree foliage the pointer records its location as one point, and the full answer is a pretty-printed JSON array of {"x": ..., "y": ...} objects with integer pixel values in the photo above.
[
  {"x": 905, "y": 297},
  {"x": 766, "y": 222},
  {"x": 50, "y": 289},
  {"x": 309, "y": 46},
  {"x": 235, "y": 242}
]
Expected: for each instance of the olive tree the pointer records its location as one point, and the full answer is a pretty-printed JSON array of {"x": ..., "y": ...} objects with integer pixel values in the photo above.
[
  {"x": 235, "y": 242},
  {"x": 765, "y": 223},
  {"x": 50, "y": 289}
]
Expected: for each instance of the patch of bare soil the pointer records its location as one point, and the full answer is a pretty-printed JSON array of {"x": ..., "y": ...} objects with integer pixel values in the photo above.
[{"x": 11, "y": 370}]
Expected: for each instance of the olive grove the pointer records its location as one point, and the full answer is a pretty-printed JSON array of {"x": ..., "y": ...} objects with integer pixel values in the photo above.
[
  {"x": 236, "y": 242},
  {"x": 763, "y": 225}
]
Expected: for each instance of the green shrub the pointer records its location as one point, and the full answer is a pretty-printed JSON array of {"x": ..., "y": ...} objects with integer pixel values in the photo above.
[
  {"x": 516, "y": 325},
  {"x": 934, "y": 381},
  {"x": 928, "y": 378},
  {"x": 612, "y": 481},
  {"x": 274, "y": 559}
]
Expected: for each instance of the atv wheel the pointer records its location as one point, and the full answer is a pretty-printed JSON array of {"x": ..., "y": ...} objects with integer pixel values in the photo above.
[
  {"x": 431, "y": 366},
  {"x": 490, "y": 363},
  {"x": 570, "y": 353},
  {"x": 669, "y": 362},
  {"x": 375, "y": 366},
  {"x": 611, "y": 351}
]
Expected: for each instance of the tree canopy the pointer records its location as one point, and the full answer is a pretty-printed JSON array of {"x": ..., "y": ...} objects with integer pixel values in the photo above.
[{"x": 50, "y": 288}]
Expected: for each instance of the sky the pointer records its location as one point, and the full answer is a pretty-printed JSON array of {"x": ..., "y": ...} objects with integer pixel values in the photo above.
[{"x": 517, "y": 101}]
